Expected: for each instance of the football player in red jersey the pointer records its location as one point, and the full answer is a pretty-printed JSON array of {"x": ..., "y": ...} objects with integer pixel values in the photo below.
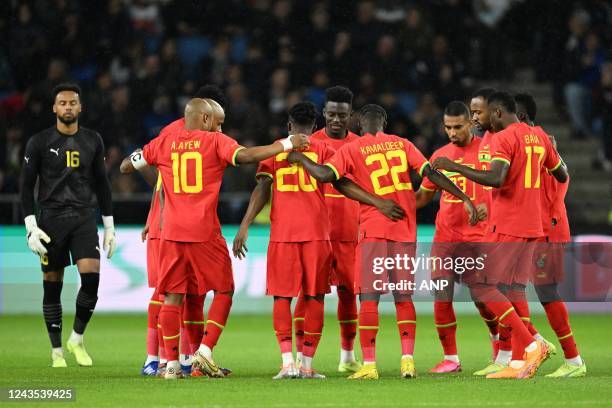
[
  {"x": 344, "y": 224},
  {"x": 452, "y": 228},
  {"x": 194, "y": 256},
  {"x": 550, "y": 271},
  {"x": 519, "y": 156},
  {"x": 380, "y": 163},
  {"x": 299, "y": 253}
]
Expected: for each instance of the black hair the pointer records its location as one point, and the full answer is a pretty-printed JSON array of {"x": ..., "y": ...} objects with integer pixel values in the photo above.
[
  {"x": 66, "y": 86},
  {"x": 457, "y": 108},
  {"x": 340, "y": 94},
  {"x": 529, "y": 103},
  {"x": 212, "y": 92},
  {"x": 375, "y": 109},
  {"x": 303, "y": 114},
  {"x": 503, "y": 99},
  {"x": 483, "y": 93}
]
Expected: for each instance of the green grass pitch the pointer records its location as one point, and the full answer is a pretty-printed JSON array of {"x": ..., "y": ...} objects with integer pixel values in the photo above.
[{"x": 248, "y": 346}]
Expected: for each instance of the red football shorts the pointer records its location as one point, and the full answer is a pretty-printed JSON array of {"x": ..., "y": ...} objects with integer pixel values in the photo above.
[
  {"x": 510, "y": 260},
  {"x": 467, "y": 259},
  {"x": 152, "y": 260},
  {"x": 549, "y": 259},
  {"x": 373, "y": 276},
  {"x": 195, "y": 267},
  {"x": 343, "y": 264},
  {"x": 298, "y": 266}
]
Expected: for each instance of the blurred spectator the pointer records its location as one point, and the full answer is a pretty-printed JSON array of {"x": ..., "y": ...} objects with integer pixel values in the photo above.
[
  {"x": 603, "y": 102},
  {"x": 584, "y": 60}
]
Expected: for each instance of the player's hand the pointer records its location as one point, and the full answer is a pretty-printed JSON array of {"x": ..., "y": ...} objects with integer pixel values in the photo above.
[
  {"x": 443, "y": 163},
  {"x": 110, "y": 242},
  {"x": 390, "y": 209},
  {"x": 239, "y": 247},
  {"x": 483, "y": 212},
  {"x": 472, "y": 212},
  {"x": 144, "y": 233},
  {"x": 294, "y": 157},
  {"x": 299, "y": 141},
  {"x": 35, "y": 236}
]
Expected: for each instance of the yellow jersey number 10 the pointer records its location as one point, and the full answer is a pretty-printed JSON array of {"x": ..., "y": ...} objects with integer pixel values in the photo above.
[{"x": 179, "y": 172}]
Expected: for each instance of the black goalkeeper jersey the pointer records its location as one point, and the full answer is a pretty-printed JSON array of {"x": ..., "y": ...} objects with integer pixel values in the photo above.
[{"x": 70, "y": 170}]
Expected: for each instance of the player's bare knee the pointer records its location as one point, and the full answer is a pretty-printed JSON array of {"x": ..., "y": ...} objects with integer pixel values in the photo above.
[
  {"x": 547, "y": 293},
  {"x": 174, "y": 299},
  {"x": 54, "y": 276},
  {"x": 375, "y": 297},
  {"x": 88, "y": 265}
]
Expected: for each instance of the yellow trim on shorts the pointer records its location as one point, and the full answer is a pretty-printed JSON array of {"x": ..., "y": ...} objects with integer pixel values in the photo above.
[{"x": 155, "y": 302}]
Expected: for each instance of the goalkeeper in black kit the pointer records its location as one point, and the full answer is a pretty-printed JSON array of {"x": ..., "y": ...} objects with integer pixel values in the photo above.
[{"x": 68, "y": 162}]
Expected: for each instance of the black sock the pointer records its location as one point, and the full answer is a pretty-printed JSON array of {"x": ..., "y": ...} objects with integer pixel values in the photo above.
[
  {"x": 52, "y": 311},
  {"x": 86, "y": 301}
]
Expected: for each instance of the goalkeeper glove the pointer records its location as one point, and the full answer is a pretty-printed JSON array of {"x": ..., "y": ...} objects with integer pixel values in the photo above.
[{"x": 35, "y": 235}]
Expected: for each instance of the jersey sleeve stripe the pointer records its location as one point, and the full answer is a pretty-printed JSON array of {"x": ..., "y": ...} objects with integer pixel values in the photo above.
[
  {"x": 426, "y": 189},
  {"x": 331, "y": 166},
  {"x": 262, "y": 173},
  {"x": 423, "y": 168},
  {"x": 556, "y": 166},
  {"x": 239, "y": 148},
  {"x": 334, "y": 195},
  {"x": 501, "y": 159}
]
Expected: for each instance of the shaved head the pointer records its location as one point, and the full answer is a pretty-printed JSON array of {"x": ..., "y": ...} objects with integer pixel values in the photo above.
[
  {"x": 198, "y": 114},
  {"x": 218, "y": 116}
]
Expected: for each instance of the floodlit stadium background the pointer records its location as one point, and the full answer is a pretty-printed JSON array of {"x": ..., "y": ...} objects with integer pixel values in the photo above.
[{"x": 138, "y": 62}]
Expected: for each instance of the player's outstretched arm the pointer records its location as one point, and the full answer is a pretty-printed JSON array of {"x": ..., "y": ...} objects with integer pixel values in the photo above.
[
  {"x": 445, "y": 184},
  {"x": 259, "y": 197},
  {"x": 353, "y": 191},
  {"x": 149, "y": 173},
  {"x": 322, "y": 174},
  {"x": 492, "y": 178},
  {"x": 423, "y": 197},
  {"x": 258, "y": 153}
]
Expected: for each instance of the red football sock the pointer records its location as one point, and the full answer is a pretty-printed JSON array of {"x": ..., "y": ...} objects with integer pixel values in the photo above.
[
  {"x": 558, "y": 317},
  {"x": 217, "y": 318},
  {"x": 368, "y": 329},
  {"x": 446, "y": 325},
  {"x": 153, "y": 315},
  {"x": 170, "y": 320},
  {"x": 489, "y": 318},
  {"x": 347, "y": 317},
  {"x": 298, "y": 323},
  {"x": 281, "y": 317},
  {"x": 406, "y": 323},
  {"x": 193, "y": 322},
  {"x": 519, "y": 302},
  {"x": 313, "y": 325},
  {"x": 507, "y": 316}
]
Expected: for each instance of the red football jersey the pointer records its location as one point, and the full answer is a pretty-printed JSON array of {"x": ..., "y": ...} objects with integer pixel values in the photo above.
[
  {"x": 554, "y": 215},
  {"x": 191, "y": 163},
  {"x": 517, "y": 203},
  {"x": 343, "y": 212},
  {"x": 452, "y": 223},
  {"x": 154, "y": 217},
  {"x": 298, "y": 210},
  {"x": 380, "y": 165}
]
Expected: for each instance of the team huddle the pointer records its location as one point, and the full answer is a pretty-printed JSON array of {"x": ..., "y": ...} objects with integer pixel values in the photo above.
[{"x": 338, "y": 200}]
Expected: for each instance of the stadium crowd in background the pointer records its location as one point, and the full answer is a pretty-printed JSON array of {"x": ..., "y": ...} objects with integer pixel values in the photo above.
[{"x": 139, "y": 61}]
